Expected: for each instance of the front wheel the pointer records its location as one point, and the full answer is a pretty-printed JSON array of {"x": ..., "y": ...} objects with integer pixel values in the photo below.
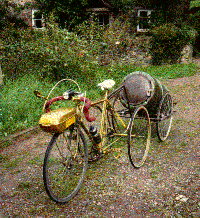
[
  {"x": 139, "y": 135},
  {"x": 65, "y": 164}
]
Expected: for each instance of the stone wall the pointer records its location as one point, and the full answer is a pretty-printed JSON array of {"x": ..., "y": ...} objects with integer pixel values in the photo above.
[
  {"x": 187, "y": 54},
  {"x": 27, "y": 16},
  {"x": 139, "y": 54}
]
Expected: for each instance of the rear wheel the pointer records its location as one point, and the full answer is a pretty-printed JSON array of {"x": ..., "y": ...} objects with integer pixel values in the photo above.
[
  {"x": 122, "y": 114},
  {"x": 65, "y": 164},
  {"x": 139, "y": 135},
  {"x": 104, "y": 123},
  {"x": 164, "y": 117}
]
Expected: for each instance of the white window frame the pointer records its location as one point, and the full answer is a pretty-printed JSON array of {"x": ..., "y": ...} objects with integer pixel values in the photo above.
[
  {"x": 34, "y": 20},
  {"x": 139, "y": 16}
]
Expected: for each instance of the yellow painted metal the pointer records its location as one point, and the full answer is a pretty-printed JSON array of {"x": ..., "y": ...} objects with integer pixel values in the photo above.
[
  {"x": 120, "y": 134},
  {"x": 57, "y": 120},
  {"x": 120, "y": 119}
]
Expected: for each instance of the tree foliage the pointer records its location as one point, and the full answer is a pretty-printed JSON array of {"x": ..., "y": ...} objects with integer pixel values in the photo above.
[
  {"x": 172, "y": 11},
  {"x": 66, "y": 13},
  {"x": 10, "y": 15},
  {"x": 168, "y": 41},
  {"x": 72, "y": 12}
]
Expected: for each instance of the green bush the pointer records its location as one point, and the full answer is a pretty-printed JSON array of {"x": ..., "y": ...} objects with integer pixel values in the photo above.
[
  {"x": 53, "y": 53},
  {"x": 194, "y": 22},
  {"x": 57, "y": 53},
  {"x": 107, "y": 44},
  {"x": 117, "y": 40},
  {"x": 168, "y": 41}
]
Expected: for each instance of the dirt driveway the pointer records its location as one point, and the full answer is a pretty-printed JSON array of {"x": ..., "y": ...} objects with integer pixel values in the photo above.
[{"x": 167, "y": 185}]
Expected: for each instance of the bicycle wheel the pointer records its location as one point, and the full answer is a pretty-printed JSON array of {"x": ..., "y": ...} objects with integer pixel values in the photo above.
[
  {"x": 65, "y": 164},
  {"x": 139, "y": 137},
  {"x": 103, "y": 123},
  {"x": 164, "y": 117}
]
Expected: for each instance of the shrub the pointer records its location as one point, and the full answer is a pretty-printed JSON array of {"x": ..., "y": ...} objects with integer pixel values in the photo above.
[
  {"x": 53, "y": 53},
  {"x": 10, "y": 15},
  {"x": 194, "y": 22},
  {"x": 168, "y": 41},
  {"x": 57, "y": 53},
  {"x": 108, "y": 43},
  {"x": 117, "y": 38}
]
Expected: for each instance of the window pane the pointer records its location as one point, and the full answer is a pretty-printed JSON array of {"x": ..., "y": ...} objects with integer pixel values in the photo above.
[
  {"x": 143, "y": 14},
  {"x": 37, "y": 15},
  {"x": 38, "y": 23},
  {"x": 144, "y": 20},
  {"x": 144, "y": 24},
  {"x": 106, "y": 19},
  {"x": 103, "y": 19}
]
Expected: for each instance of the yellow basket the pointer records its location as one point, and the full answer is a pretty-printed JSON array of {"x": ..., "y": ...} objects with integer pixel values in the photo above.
[{"x": 57, "y": 120}]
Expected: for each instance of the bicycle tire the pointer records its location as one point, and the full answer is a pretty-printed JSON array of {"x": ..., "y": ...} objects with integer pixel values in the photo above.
[
  {"x": 107, "y": 123},
  {"x": 164, "y": 117},
  {"x": 139, "y": 135},
  {"x": 102, "y": 122},
  {"x": 65, "y": 164}
]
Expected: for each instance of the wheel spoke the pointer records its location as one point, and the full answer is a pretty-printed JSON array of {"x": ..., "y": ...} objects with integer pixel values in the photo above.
[
  {"x": 65, "y": 165},
  {"x": 139, "y": 137},
  {"x": 164, "y": 118}
]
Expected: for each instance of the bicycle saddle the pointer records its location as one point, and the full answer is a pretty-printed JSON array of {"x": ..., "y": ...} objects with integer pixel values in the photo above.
[{"x": 107, "y": 84}]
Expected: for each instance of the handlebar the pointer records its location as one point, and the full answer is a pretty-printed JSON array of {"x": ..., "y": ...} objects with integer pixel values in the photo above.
[
  {"x": 86, "y": 109},
  {"x": 68, "y": 97},
  {"x": 48, "y": 104}
]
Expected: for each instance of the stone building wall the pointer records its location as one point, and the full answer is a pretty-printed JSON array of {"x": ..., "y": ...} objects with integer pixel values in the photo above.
[
  {"x": 187, "y": 54},
  {"x": 139, "y": 53}
]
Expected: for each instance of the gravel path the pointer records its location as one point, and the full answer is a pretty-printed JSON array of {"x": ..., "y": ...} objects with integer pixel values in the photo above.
[{"x": 167, "y": 185}]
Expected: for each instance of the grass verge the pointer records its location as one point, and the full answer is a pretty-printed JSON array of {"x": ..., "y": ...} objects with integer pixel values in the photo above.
[{"x": 20, "y": 109}]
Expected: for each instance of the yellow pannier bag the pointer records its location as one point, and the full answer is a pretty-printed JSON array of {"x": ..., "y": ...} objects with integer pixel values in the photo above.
[{"x": 58, "y": 120}]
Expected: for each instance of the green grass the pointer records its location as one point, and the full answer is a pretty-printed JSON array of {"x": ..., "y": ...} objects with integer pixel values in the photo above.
[
  {"x": 20, "y": 109},
  {"x": 164, "y": 71}
]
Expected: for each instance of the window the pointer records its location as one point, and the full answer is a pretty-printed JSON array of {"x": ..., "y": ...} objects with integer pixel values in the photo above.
[
  {"x": 103, "y": 19},
  {"x": 37, "y": 19},
  {"x": 144, "y": 20}
]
